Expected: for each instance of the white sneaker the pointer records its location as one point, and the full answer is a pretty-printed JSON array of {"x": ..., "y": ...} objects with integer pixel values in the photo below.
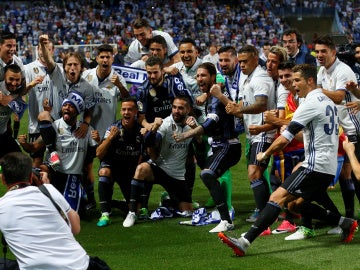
[
  {"x": 301, "y": 233},
  {"x": 129, "y": 220},
  {"x": 223, "y": 226},
  {"x": 336, "y": 230}
]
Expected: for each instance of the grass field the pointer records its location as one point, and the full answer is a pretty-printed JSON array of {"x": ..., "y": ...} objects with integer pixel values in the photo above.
[{"x": 167, "y": 245}]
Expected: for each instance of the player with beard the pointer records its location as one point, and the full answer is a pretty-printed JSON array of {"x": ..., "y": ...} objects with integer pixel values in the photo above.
[
  {"x": 187, "y": 68},
  {"x": 140, "y": 46},
  {"x": 11, "y": 90},
  {"x": 71, "y": 150},
  {"x": 66, "y": 81},
  {"x": 8, "y": 56},
  {"x": 230, "y": 70},
  {"x": 167, "y": 164},
  {"x": 156, "y": 95},
  {"x": 157, "y": 47},
  {"x": 317, "y": 117},
  {"x": 226, "y": 148},
  {"x": 120, "y": 152}
]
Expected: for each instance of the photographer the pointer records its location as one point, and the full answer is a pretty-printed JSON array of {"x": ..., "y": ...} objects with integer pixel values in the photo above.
[{"x": 38, "y": 236}]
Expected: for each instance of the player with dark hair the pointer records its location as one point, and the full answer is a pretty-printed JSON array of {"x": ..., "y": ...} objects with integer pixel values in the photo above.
[
  {"x": 108, "y": 86},
  {"x": 225, "y": 145},
  {"x": 120, "y": 151},
  {"x": 257, "y": 90},
  {"x": 167, "y": 164},
  {"x": 317, "y": 117},
  {"x": 140, "y": 46},
  {"x": 12, "y": 88}
]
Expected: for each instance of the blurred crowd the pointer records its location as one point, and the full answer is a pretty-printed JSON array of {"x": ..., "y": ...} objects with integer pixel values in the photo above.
[{"x": 232, "y": 23}]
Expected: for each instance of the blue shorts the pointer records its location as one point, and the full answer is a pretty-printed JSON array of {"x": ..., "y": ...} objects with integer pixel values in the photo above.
[{"x": 223, "y": 157}]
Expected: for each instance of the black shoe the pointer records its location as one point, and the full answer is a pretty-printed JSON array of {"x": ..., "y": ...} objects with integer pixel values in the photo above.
[
  {"x": 349, "y": 227},
  {"x": 121, "y": 205},
  {"x": 90, "y": 205}
]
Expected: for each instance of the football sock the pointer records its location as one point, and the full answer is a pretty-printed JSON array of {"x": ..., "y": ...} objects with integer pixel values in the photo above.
[
  {"x": 325, "y": 200},
  {"x": 213, "y": 185},
  {"x": 289, "y": 216},
  {"x": 316, "y": 211},
  {"x": 145, "y": 194},
  {"x": 261, "y": 192},
  {"x": 267, "y": 217},
  {"x": 16, "y": 129},
  {"x": 190, "y": 175},
  {"x": 356, "y": 186},
  {"x": 348, "y": 194},
  {"x": 105, "y": 190},
  {"x": 89, "y": 189},
  {"x": 137, "y": 187},
  {"x": 226, "y": 185}
]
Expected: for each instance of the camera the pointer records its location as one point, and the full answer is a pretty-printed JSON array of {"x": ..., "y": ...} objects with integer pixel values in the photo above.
[{"x": 346, "y": 54}]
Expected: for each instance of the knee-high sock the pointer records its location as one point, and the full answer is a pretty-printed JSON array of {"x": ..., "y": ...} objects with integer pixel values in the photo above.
[
  {"x": 267, "y": 217},
  {"x": 348, "y": 193},
  {"x": 89, "y": 189},
  {"x": 356, "y": 186},
  {"x": 213, "y": 185},
  {"x": 105, "y": 190},
  {"x": 316, "y": 211},
  {"x": 261, "y": 192},
  {"x": 48, "y": 135},
  {"x": 137, "y": 188},
  {"x": 16, "y": 129},
  {"x": 325, "y": 200},
  {"x": 226, "y": 185},
  {"x": 145, "y": 194},
  {"x": 190, "y": 175}
]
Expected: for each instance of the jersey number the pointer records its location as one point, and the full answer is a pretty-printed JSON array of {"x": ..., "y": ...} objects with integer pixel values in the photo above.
[{"x": 330, "y": 127}]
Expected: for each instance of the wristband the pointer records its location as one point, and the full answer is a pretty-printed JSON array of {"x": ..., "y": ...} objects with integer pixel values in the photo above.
[
  {"x": 264, "y": 156},
  {"x": 86, "y": 123}
]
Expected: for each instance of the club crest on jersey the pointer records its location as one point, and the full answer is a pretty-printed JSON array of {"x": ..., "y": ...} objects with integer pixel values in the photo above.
[
  {"x": 61, "y": 131},
  {"x": 152, "y": 92},
  {"x": 140, "y": 105},
  {"x": 108, "y": 87},
  {"x": 89, "y": 77},
  {"x": 36, "y": 70}
]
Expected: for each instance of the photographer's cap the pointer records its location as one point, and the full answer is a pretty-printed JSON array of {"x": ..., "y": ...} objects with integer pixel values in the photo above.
[{"x": 76, "y": 100}]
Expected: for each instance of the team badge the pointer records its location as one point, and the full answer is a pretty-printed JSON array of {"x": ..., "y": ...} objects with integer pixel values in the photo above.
[
  {"x": 36, "y": 70},
  {"x": 89, "y": 77},
  {"x": 61, "y": 131},
  {"x": 152, "y": 92},
  {"x": 140, "y": 105},
  {"x": 108, "y": 87}
]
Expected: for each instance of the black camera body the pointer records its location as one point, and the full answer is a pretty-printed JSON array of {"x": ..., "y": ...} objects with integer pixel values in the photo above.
[{"x": 346, "y": 54}]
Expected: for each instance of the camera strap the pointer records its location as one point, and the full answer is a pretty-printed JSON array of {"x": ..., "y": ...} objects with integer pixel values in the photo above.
[
  {"x": 3, "y": 241},
  {"x": 44, "y": 190}
]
